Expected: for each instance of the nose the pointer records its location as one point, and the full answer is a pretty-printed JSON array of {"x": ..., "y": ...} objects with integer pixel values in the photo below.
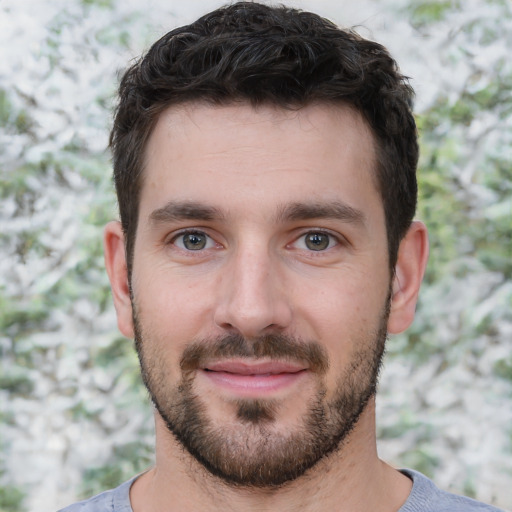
[{"x": 252, "y": 298}]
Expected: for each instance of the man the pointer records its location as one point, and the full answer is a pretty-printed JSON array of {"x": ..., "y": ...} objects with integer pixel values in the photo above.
[{"x": 264, "y": 162}]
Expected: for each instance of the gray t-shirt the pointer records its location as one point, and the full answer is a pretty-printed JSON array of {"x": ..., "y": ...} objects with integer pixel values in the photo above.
[{"x": 424, "y": 497}]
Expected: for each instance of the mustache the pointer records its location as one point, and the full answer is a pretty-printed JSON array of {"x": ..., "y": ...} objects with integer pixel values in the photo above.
[{"x": 273, "y": 346}]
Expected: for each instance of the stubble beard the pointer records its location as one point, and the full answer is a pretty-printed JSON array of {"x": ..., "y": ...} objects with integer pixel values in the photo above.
[{"x": 250, "y": 451}]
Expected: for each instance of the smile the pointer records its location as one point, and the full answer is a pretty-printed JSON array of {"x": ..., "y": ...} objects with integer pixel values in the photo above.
[{"x": 253, "y": 380}]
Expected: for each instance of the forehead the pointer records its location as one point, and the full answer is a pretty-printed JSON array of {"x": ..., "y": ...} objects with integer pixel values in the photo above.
[{"x": 239, "y": 156}]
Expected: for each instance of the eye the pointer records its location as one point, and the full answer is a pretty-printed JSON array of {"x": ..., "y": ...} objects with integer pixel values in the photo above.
[
  {"x": 193, "y": 241},
  {"x": 316, "y": 241}
]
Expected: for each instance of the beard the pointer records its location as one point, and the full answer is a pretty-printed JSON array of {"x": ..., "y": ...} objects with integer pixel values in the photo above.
[{"x": 252, "y": 452}]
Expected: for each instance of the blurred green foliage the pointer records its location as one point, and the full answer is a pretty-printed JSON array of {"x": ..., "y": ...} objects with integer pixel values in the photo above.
[
  {"x": 11, "y": 499},
  {"x": 54, "y": 295}
]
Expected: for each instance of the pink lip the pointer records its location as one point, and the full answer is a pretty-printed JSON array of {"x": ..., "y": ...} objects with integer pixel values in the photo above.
[{"x": 253, "y": 379}]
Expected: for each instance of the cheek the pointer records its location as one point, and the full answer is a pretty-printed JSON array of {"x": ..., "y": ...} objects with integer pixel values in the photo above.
[
  {"x": 172, "y": 309},
  {"x": 344, "y": 315},
  {"x": 340, "y": 302}
]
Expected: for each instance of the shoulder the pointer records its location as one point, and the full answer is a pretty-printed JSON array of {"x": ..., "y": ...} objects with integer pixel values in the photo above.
[
  {"x": 114, "y": 500},
  {"x": 426, "y": 497}
]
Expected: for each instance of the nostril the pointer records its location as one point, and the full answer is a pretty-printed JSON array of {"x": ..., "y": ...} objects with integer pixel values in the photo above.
[{"x": 250, "y": 303}]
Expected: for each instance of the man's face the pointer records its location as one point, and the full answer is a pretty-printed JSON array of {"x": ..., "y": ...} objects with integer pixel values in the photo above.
[{"x": 260, "y": 284}]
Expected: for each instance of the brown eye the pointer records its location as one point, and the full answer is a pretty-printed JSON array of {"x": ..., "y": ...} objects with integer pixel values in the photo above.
[{"x": 317, "y": 241}]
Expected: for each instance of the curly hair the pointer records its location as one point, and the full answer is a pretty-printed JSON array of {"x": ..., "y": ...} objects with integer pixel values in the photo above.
[{"x": 274, "y": 55}]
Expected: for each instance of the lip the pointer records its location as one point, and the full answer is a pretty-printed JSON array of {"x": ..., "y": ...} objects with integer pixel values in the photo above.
[
  {"x": 254, "y": 368},
  {"x": 253, "y": 379}
]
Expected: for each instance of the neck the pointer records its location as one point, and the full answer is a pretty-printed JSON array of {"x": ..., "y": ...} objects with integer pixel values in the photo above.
[{"x": 349, "y": 480}]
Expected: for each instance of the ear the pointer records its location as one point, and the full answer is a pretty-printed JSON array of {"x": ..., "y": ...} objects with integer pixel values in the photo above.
[
  {"x": 409, "y": 271},
  {"x": 115, "y": 261}
]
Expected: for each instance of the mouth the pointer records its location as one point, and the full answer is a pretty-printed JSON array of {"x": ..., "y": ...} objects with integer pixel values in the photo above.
[{"x": 253, "y": 379}]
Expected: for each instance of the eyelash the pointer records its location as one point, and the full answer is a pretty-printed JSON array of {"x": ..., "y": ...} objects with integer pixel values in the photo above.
[
  {"x": 333, "y": 240},
  {"x": 186, "y": 232}
]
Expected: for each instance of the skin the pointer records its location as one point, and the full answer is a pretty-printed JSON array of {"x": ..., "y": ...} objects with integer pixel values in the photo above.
[{"x": 257, "y": 276}]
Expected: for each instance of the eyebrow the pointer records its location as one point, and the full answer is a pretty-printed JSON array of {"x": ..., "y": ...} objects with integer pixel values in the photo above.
[
  {"x": 185, "y": 210},
  {"x": 190, "y": 210},
  {"x": 325, "y": 210}
]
